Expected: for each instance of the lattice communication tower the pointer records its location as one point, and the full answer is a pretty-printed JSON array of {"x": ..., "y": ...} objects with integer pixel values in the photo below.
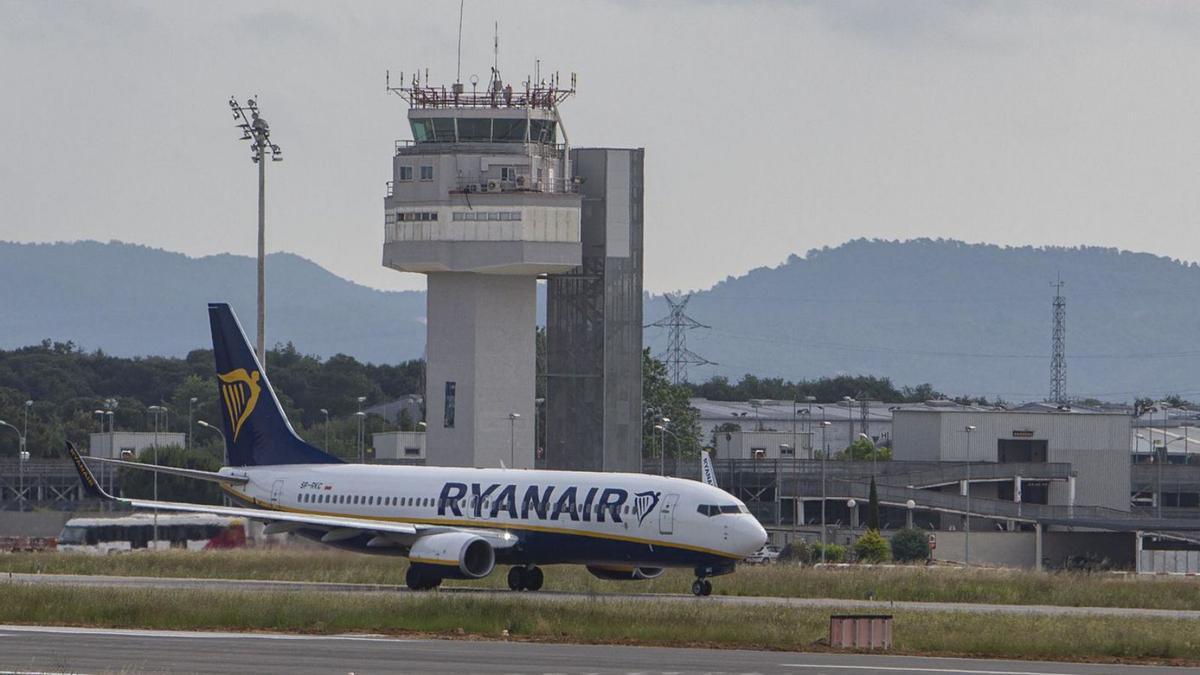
[
  {"x": 1058, "y": 358},
  {"x": 677, "y": 356}
]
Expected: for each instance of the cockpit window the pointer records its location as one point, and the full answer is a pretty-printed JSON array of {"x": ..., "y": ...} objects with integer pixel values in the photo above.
[{"x": 711, "y": 510}]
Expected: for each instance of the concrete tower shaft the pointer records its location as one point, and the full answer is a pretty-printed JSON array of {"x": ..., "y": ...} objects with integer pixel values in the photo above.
[{"x": 482, "y": 201}]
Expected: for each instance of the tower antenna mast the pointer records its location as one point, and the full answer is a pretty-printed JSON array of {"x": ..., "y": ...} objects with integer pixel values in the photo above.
[
  {"x": 1058, "y": 358},
  {"x": 458, "y": 72}
]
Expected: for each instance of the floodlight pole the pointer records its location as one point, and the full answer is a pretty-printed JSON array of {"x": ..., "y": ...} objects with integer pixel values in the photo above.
[{"x": 256, "y": 129}]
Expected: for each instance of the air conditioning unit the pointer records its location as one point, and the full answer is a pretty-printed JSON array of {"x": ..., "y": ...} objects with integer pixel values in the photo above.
[
  {"x": 493, "y": 186},
  {"x": 522, "y": 182}
]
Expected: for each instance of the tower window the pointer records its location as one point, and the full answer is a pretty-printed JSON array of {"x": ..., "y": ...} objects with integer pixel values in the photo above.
[
  {"x": 426, "y": 173},
  {"x": 406, "y": 173}
]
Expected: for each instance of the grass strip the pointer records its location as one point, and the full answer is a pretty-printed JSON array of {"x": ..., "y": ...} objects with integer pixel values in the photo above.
[
  {"x": 615, "y": 621},
  {"x": 889, "y": 584}
]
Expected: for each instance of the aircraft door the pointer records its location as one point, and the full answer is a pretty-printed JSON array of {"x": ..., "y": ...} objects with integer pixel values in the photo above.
[
  {"x": 666, "y": 515},
  {"x": 276, "y": 489}
]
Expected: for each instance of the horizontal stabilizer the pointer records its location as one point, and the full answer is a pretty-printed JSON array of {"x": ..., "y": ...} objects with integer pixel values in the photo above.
[{"x": 176, "y": 471}]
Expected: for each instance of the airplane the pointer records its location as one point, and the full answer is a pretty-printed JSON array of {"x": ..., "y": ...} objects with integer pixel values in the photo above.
[{"x": 451, "y": 522}]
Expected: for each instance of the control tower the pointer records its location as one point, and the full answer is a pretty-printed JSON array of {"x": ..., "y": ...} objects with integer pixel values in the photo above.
[{"x": 482, "y": 202}]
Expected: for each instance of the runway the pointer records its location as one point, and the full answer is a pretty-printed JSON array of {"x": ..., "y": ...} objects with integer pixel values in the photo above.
[
  {"x": 80, "y": 650},
  {"x": 553, "y": 596}
]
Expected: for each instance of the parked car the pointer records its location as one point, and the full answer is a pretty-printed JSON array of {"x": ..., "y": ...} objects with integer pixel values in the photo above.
[{"x": 766, "y": 554}]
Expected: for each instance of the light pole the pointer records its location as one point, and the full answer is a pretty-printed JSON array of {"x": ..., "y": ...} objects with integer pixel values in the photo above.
[
  {"x": 967, "y": 522},
  {"x": 156, "y": 409},
  {"x": 512, "y": 438},
  {"x": 22, "y": 457},
  {"x": 662, "y": 444},
  {"x": 362, "y": 416},
  {"x": 256, "y": 129},
  {"x": 224, "y": 447},
  {"x": 326, "y": 413},
  {"x": 874, "y": 451},
  {"x": 25, "y": 425},
  {"x": 191, "y": 404},
  {"x": 824, "y": 455}
]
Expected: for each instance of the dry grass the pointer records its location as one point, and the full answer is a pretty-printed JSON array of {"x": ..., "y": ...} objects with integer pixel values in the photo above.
[
  {"x": 642, "y": 622},
  {"x": 898, "y": 584}
]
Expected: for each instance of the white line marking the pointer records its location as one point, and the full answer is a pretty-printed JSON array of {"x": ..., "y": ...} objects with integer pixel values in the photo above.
[
  {"x": 197, "y": 635},
  {"x": 918, "y": 669}
]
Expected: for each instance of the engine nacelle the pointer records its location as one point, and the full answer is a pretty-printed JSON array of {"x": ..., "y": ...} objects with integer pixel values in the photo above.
[
  {"x": 458, "y": 553},
  {"x": 618, "y": 573}
]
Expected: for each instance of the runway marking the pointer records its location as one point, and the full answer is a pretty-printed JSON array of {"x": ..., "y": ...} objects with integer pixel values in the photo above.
[
  {"x": 7, "y": 631},
  {"x": 918, "y": 669}
]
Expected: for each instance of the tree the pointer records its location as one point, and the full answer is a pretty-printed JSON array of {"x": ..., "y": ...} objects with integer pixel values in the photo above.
[
  {"x": 873, "y": 508},
  {"x": 864, "y": 450},
  {"x": 909, "y": 545},
  {"x": 662, "y": 399},
  {"x": 872, "y": 548}
]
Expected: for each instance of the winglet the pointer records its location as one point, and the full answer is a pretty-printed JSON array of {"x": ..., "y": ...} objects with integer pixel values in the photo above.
[
  {"x": 707, "y": 473},
  {"x": 90, "y": 485}
]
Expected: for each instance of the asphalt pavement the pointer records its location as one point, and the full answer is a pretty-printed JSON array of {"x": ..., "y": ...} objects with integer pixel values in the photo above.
[
  {"x": 552, "y": 596},
  {"x": 48, "y": 649}
]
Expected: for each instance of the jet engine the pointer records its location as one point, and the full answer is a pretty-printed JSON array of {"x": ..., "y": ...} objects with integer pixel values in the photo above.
[
  {"x": 620, "y": 573},
  {"x": 460, "y": 554}
]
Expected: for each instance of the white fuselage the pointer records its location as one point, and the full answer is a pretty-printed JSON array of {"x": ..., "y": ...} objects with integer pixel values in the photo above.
[{"x": 559, "y": 516}]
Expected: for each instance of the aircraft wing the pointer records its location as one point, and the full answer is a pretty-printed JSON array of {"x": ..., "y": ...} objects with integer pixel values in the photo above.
[{"x": 336, "y": 528}]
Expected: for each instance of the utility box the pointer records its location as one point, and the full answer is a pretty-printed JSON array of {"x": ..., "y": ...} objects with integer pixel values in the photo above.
[{"x": 860, "y": 631}]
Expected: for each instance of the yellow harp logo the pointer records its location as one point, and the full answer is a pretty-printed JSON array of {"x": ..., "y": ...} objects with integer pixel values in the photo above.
[{"x": 240, "y": 390}]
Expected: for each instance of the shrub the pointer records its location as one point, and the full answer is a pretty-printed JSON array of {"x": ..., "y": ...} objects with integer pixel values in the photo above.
[
  {"x": 909, "y": 545},
  {"x": 796, "y": 551},
  {"x": 833, "y": 553},
  {"x": 872, "y": 548}
]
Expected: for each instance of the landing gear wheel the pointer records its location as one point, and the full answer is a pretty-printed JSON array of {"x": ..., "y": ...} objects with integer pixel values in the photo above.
[
  {"x": 707, "y": 587},
  {"x": 534, "y": 579},
  {"x": 517, "y": 579},
  {"x": 418, "y": 579},
  {"x": 698, "y": 587}
]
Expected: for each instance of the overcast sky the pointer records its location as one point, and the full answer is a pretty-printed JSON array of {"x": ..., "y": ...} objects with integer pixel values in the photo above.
[{"x": 769, "y": 127}]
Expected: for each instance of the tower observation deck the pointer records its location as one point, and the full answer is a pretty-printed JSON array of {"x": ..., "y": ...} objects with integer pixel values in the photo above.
[{"x": 483, "y": 202}]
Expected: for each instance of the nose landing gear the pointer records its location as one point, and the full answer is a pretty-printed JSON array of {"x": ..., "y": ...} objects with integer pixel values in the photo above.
[
  {"x": 701, "y": 587},
  {"x": 522, "y": 578}
]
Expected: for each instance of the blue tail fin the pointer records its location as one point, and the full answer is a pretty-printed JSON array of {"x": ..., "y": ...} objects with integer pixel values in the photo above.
[{"x": 256, "y": 430}]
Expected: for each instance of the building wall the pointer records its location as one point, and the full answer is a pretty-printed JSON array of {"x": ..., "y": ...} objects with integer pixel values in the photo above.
[
  {"x": 391, "y": 445},
  {"x": 110, "y": 444},
  {"x": 1096, "y": 446},
  {"x": 741, "y": 444},
  {"x": 594, "y": 324},
  {"x": 481, "y": 338},
  {"x": 1005, "y": 549}
]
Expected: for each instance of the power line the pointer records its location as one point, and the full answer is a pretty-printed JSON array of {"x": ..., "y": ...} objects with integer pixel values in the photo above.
[
  {"x": 1058, "y": 356},
  {"x": 677, "y": 356}
]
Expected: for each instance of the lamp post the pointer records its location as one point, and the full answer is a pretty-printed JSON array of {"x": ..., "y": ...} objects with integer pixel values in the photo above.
[
  {"x": 256, "y": 129},
  {"x": 325, "y": 412},
  {"x": 25, "y": 425},
  {"x": 824, "y": 455},
  {"x": 225, "y": 448},
  {"x": 512, "y": 438},
  {"x": 156, "y": 409},
  {"x": 662, "y": 444},
  {"x": 362, "y": 416},
  {"x": 967, "y": 522},
  {"x": 874, "y": 451},
  {"x": 22, "y": 457},
  {"x": 191, "y": 404}
]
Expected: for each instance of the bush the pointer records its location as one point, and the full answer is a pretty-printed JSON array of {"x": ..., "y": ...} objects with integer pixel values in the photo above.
[
  {"x": 796, "y": 551},
  {"x": 872, "y": 548},
  {"x": 909, "y": 545},
  {"x": 833, "y": 553}
]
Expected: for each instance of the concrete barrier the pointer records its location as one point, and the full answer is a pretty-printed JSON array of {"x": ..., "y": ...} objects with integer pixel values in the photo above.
[{"x": 860, "y": 631}]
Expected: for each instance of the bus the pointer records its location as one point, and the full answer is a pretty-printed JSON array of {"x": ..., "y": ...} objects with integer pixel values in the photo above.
[{"x": 190, "y": 531}]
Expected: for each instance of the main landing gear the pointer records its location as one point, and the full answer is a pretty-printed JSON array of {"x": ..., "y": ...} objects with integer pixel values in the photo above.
[
  {"x": 421, "y": 578},
  {"x": 522, "y": 578},
  {"x": 701, "y": 587}
]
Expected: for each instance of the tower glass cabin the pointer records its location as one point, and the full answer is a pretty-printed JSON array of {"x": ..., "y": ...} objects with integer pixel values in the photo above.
[{"x": 482, "y": 201}]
